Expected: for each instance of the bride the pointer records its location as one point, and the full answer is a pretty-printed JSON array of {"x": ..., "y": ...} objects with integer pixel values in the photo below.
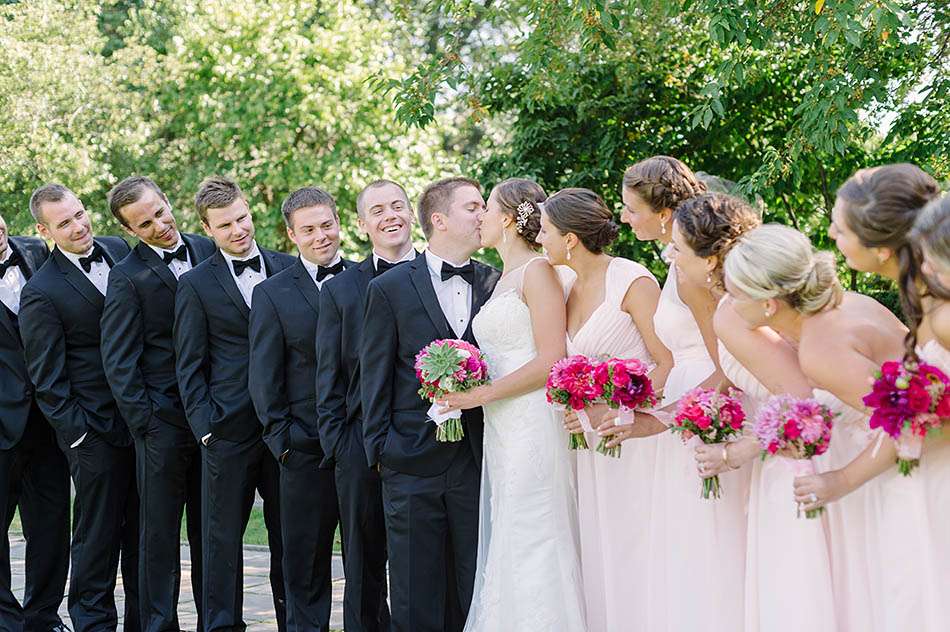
[{"x": 528, "y": 576}]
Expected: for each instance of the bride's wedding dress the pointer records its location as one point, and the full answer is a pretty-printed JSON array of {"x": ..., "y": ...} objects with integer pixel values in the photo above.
[{"x": 528, "y": 577}]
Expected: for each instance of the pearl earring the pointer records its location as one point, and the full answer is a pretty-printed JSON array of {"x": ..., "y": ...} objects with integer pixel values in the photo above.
[
  {"x": 662, "y": 228},
  {"x": 709, "y": 278},
  {"x": 568, "y": 254}
]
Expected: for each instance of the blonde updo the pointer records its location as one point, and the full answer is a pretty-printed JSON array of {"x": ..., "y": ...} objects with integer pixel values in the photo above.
[{"x": 774, "y": 261}]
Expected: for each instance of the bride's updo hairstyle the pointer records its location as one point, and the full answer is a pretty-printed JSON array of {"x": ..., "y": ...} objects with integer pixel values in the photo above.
[
  {"x": 711, "y": 224},
  {"x": 514, "y": 192},
  {"x": 582, "y": 212},
  {"x": 775, "y": 261},
  {"x": 663, "y": 182}
]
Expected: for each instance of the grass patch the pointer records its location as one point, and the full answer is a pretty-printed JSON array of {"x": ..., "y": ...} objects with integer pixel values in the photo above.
[{"x": 256, "y": 532}]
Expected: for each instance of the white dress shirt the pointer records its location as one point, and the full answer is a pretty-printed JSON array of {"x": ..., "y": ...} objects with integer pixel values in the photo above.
[
  {"x": 98, "y": 273},
  {"x": 249, "y": 278},
  {"x": 455, "y": 295},
  {"x": 409, "y": 256},
  {"x": 313, "y": 268},
  {"x": 177, "y": 266},
  {"x": 11, "y": 284}
]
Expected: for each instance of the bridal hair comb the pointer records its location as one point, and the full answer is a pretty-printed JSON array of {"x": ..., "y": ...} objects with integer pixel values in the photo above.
[{"x": 524, "y": 212}]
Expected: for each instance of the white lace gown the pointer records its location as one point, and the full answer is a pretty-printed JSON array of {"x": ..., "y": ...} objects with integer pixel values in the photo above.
[
  {"x": 614, "y": 494},
  {"x": 528, "y": 576},
  {"x": 697, "y": 547},
  {"x": 786, "y": 554}
]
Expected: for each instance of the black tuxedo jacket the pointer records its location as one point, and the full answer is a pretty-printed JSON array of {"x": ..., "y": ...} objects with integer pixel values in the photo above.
[
  {"x": 137, "y": 350},
  {"x": 211, "y": 347},
  {"x": 16, "y": 389},
  {"x": 403, "y": 316},
  {"x": 59, "y": 320},
  {"x": 284, "y": 357},
  {"x": 339, "y": 336}
]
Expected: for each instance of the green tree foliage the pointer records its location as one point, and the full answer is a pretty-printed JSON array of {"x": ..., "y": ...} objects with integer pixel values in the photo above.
[{"x": 272, "y": 93}]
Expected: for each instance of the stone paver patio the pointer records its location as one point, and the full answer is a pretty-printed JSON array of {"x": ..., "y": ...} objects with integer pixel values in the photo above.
[{"x": 258, "y": 604}]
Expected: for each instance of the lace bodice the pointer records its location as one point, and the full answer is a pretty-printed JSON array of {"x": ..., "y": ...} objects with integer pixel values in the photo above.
[{"x": 503, "y": 326}]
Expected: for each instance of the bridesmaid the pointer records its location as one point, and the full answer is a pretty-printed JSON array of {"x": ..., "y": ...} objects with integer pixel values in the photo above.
[
  {"x": 785, "y": 553},
  {"x": 692, "y": 537},
  {"x": 776, "y": 280},
  {"x": 932, "y": 234},
  {"x": 872, "y": 218},
  {"x": 610, "y": 308}
]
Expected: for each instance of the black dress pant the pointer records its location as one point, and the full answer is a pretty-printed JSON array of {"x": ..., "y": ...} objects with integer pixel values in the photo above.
[
  {"x": 309, "y": 515},
  {"x": 105, "y": 530},
  {"x": 231, "y": 472},
  {"x": 363, "y": 531},
  {"x": 432, "y": 532},
  {"x": 35, "y": 478},
  {"x": 168, "y": 472}
]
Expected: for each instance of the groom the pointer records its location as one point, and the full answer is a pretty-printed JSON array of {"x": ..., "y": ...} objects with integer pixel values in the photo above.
[{"x": 430, "y": 489}]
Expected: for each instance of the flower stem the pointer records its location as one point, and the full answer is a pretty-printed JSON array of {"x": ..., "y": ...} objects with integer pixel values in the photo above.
[
  {"x": 603, "y": 449},
  {"x": 578, "y": 441}
]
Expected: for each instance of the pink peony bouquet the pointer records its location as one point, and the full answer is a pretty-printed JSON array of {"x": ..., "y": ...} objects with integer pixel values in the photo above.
[
  {"x": 908, "y": 403},
  {"x": 794, "y": 429},
  {"x": 449, "y": 366},
  {"x": 626, "y": 387},
  {"x": 704, "y": 415},
  {"x": 572, "y": 383}
]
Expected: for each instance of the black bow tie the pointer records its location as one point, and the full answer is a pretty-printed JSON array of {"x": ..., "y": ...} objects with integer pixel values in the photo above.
[
  {"x": 324, "y": 272},
  {"x": 96, "y": 255},
  {"x": 382, "y": 265},
  {"x": 181, "y": 254},
  {"x": 240, "y": 266},
  {"x": 12, "y": 262},
  {"x": 467, "y": 272}
]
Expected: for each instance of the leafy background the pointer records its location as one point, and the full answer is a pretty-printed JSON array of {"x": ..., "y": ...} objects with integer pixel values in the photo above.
[{"x": 784, "y": 99}]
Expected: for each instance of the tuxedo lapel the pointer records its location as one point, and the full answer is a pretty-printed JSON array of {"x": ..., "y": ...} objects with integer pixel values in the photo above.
[
  {"x": 6, "y": 321},
  {"x": 269, "y": 259},
  {"x": 26, "y": 264},
  {"x": 222, "y": 272},
  {"x": 423, "y": 284},
  {"x": 306, "y": 285},
  {"x": 367, "y": 271},
  {"x": 158, "y": 265},
  {"x": 78, "y": 280},
  {"x": 481, "y": 291}
]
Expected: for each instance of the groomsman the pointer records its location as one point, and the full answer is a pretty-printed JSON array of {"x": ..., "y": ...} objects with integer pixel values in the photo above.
[
  {"x": 430, "y": 488},
  {"x": 212, "y": 306},
  {"x": 33, "y": 471},
  {"x": 60, "y": 309},
  {"x": 139, "y": 360},
  {"x": 282, "y": 384},
  {"x": 385, "y": 215}
]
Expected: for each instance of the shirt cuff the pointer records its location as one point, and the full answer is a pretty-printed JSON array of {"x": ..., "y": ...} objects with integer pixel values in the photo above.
[
  {"x": 79, "y": 440},
  {"x": 205, "y": 439}
]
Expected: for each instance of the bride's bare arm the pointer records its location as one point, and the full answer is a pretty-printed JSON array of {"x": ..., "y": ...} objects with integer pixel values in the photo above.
[{"x": 544, "y": 297}]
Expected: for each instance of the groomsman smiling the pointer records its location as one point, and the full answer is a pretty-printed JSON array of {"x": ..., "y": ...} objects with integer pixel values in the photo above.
[
  {"x": 139, "y": 360},
  {"x": 283, "y": 358},
  {"x": 385, "y": 215},
  {"x": 60, "y": 308}
]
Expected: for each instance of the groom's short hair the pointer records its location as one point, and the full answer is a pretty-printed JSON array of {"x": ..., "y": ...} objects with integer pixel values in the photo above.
[
  {"x": 437, "y": 196},
  {"x": 130, "y": 191},
  {"x": 305, "y": 198}
]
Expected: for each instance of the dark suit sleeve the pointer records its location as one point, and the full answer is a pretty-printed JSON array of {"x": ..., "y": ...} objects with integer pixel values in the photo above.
[
  {"x": 267, "y": 378},
  {"x": 123, "y": 340},
  {"x": 331, "y": 383},
  {"x": 377, "y": 364},
  {"x": 192, "y": 357},
  {"x": 44, "y": 347}
]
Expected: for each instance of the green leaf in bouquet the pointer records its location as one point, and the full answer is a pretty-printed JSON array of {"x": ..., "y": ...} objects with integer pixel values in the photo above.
[{"x": 441, "y": 361}]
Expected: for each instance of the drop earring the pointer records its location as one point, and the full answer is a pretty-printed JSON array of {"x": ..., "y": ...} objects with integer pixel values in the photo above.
[
  {"x": 662, "y": 228},
  {"x": 504, "y": 236},
  {"x": 709, "y": 279},
  {"x": 568, "y": 254}
]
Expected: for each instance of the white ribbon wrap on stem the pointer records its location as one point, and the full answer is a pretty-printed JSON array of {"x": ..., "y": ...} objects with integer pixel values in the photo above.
[
  {"x": 584, "y": 419},
  {"x": 800, "y": 467},
  {"x": 626, "y": 417},
  {"x": 440, "y": 418},
  {"x": 910, "y": 445}
]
